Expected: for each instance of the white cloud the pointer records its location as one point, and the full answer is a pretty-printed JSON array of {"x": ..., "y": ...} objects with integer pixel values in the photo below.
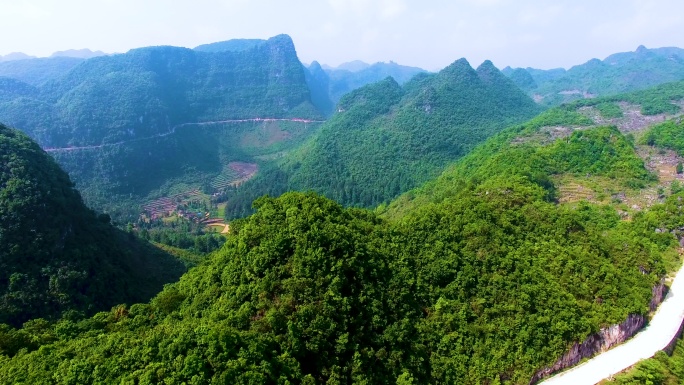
[
  {"x": 368, "y": 10},
  {"x": 645, "y": 20},
  {"x": 26, "y": 12},
  {"x": 427, "y": 33},
  {"x": 541, "y": 16},
  {"x": 356, "y": 7},
  {"x": 389, "y": 9}
]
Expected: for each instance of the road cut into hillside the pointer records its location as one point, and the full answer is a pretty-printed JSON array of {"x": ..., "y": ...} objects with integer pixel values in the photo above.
[
  {"x": 660, "y": 332},
  {"x": 173, "y": 130}
]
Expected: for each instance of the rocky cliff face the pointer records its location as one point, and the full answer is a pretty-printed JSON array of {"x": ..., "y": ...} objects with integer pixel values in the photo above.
[
  {"x": 603, "y": 340},
  {"x": 659, "y": 293}
]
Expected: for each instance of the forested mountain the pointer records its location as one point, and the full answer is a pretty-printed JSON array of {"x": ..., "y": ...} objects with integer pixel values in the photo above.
[
  {"x": 125, "y": 126},
  {"x": 352, "y": 66},
  {"x": 523, "y": 149},
  {"x": 37, "y": 71},
  {"x": 484, "y": 276},
  {"x": 618, "y": 73},
  {"x": 10, "y": 89},
  {"x": 386, "y": 139},
  {"x": 148, "y": 91},
  {"x": 328, "y": 85},
  {"x": 318, "y": 81},
  {"x": 56, "y": 255}
]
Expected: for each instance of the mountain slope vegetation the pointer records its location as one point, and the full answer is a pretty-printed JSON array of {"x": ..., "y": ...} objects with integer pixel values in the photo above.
[
  {"x": 488, "y": 287},
  {"x": 386, "y": 139},
  {"x": 37, "y": 71},
  {"x": 56, "y": 255},
  {"x": 319, "y": 85},
  {"x": 526, "y": 150}
]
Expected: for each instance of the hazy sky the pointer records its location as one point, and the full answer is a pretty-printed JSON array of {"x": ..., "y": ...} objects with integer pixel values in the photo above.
[{"x": 426, "y": 33}]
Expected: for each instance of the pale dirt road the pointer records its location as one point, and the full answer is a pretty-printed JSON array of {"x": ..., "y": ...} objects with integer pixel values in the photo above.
[{"x": 655, "y": 337}]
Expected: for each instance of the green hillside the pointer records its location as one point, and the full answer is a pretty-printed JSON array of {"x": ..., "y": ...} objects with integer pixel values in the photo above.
[
  {"x": 662, "y": 369},
  {"x": 56, "y": 255},
  {"x": 531, "y": 149},
  {"x": 139, "y": 125},
  {"x": 37, "y": 71},
  {"x": 386, "y": 139},
  {"x": 234, "y": 45},
  {"x": 149, "y": 90},
  {"x": 11, "y": 88},
  {"x": 618, "y": 73},
  {"x": 490, "y": 286},
  {"x": 500, "y": 236},
  {"x": 118, "y": 178}
]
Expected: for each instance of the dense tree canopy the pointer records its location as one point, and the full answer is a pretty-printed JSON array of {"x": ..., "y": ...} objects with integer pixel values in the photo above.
[
  {"x": 56, "y": 254},
  {"x": 487, "y": 284}
]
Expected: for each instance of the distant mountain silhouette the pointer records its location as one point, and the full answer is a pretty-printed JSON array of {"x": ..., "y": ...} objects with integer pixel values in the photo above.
[
  {"x": 15, "y": 56},
  {"x": 618, "y": 73},
  {"x": 84, "y": 53}
]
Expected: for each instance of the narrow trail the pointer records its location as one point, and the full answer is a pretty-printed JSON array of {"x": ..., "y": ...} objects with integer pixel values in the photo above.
[
  {"x": 661, "y": 330},
  {"x": 173, "y": 130}
]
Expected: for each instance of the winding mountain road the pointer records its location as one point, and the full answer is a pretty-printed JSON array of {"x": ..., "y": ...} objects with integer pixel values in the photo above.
[
  {"x": 173, "y": 130},
  {"x": 661, "y": 330}
]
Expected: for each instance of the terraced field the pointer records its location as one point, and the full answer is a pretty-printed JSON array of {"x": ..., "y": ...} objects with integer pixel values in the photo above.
[
  {"x": 234, "y": 174},
  {"x": 166, "y": 206}
]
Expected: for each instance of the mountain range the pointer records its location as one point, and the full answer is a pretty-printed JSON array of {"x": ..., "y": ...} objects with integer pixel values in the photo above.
[
  {"x": 350, "y": 76},
  {"x": 424, "y": 228},
  {"x": 386, "y": 139},
  {"x": 537, "y": 238},
  {"x": 125, "y": 115},
  {"x": 137, "y": 126},
  {"x": 15, "y": 56},
  {"x": 618, "y": 73},
  {"x": 154, "y": 114},
  {"x": 84, "y": 53}
]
